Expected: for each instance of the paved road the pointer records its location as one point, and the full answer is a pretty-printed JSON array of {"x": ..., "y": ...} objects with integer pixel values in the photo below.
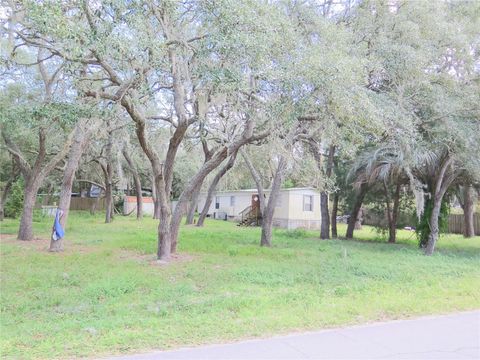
[{"x": 441, "y": 337}]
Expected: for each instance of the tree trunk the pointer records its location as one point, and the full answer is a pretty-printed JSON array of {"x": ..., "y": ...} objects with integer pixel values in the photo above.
[
  {"x": 108, "y": 170},
  {"x": 138, "y": 193},
  {"x": 192, "y": 207},
  {"x": 442, "y": 183},
  {"x": 78, "y": 147},
  {"x": 65, "y": 198},
  {"x": 25, "y": 231},
  {"x": 352, "y": 220},
  {"x": 258, "y": 181},
  {"x": 164, "y": 236},
  {"x": 267, "y": 216},
  {"x": 334, "y": 215},
  {"x": 108, "y": 202},
  {"x": 213, "y": 187},
  {"x": 325, "y": 224},
  {"x": 138, "y": 183},
  {"x": 164, "y": 247},
  {"x": 93, "y": 207},
  {"x": 358, "y": 222},
  {"x": 434, "y": 227},
  {"x": 468, "y": 209},
  {"x": 156, "y": 201},
  {"x": 392, "y": 225}
]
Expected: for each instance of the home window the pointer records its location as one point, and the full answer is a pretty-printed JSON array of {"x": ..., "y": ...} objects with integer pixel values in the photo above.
[
  {"x": 232, "y": 200},
  {"x": 307, "y": 202},
  {"x": 217, "y": 202}
]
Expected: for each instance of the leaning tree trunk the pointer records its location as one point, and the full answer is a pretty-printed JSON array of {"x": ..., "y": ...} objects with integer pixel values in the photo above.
[
  {"x": 267, "y": 216},
  {"x": 25, "y": 231},
  {"x": 434, "y": 226},
  {"x": 76, "y": 151},
  {"x": 334, "y": 215},
  {"x": 213, "y": 187},
  {"x": 257, "y": 179},
  {"x": 468, "y": 207},
  {"x": 137, "y": 182},
  {"x": 156, "y": 201},
  {"x": 352, "y": 220},
  {"x": 442, "y": 183},
  {"x": 192, "y": 207},
  {"x": 359, "y": 221}
]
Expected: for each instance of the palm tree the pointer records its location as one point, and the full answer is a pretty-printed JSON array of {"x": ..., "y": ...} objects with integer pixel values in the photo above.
[{"x": 385, "y": 165}]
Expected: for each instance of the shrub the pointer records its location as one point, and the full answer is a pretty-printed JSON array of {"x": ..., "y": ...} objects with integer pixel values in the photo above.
[{"x": 14, "y": 203}]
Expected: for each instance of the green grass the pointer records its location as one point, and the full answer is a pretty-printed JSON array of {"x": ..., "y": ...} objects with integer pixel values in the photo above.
[{"x": 106, "y": 294}]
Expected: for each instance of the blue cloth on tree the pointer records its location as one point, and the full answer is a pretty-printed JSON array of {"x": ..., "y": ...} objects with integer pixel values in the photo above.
[{"x": 58, "y": 231}]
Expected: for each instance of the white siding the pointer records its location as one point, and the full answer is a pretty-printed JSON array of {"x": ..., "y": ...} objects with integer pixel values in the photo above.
[{"x": 289, "y": 210}]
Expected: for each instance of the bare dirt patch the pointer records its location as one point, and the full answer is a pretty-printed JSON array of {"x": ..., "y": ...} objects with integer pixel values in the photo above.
[
  {"x": 151, "y": 259},
  {"x": 43, "y": 244}
]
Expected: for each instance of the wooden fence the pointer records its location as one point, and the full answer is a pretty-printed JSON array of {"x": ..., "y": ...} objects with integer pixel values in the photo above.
[
  {"x": 455, "y": 223},
  {"x": 88, "y": 204}
]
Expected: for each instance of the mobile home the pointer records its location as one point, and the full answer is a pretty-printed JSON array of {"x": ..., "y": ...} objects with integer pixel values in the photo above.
[{"x": 295, "y": 207}]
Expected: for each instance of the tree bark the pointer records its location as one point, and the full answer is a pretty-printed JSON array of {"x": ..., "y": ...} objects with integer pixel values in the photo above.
[
  {"x": 213, "y": 187},
  {"x": 442, "y": 183},
  {"x": 81, "y": 138},
  {"x": 108, "y": 202},
  {"x": 25, "y": 231},
  {"x": 352, "y": 220},
  {"x": 392, "y": 238},
  {"x": 325, "y": 224},
  {"x": 358, "y": 222},
  {"x": 164, "y": 226},
  {"x": 267, "y": 216},
  {"x": 392, "y": 213},
  {"x": 108, "y": 171},
  {"x": 192, "y": 207},
  {"x": 137, "y": 182},
  {"x": 389, "y": 210},
  {"x": 315, "y": 149},
  {"x": 334, "y": 215},
  {"x": 258, "y": 181},
  {"x": 468, "y": 210},
  {"x": 156, "y": 201},
  {"x": 434, "y": 226}
]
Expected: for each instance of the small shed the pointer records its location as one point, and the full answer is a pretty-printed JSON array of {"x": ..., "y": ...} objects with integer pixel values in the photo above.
[
  {"x": 295, "y": 207},
  {"x": 130, "y": 205}
]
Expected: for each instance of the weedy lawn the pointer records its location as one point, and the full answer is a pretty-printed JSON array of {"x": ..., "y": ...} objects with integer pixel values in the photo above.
[{"x": 106, "y": 294}]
